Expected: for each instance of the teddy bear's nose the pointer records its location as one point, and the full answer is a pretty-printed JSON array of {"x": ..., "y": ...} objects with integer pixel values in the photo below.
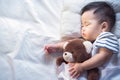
[{"x": 65, "y": 53}]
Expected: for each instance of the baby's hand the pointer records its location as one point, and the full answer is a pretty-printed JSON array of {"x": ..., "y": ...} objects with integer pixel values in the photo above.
[
  {"x": 75, "y": 70},
  {"x": 53, "y": 48},
  {"x": 50, "y": 48}
]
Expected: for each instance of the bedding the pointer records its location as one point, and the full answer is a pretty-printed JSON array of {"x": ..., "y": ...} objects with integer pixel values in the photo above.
[{"x": 26, "y": 26}]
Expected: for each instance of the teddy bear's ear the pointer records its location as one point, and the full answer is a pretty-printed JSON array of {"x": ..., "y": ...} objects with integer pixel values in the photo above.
[
  {"x": 65, "y": 44},
  {"x": 88, "y": 46}
]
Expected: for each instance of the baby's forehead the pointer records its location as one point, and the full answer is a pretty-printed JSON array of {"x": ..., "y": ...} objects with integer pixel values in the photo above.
[{"x": 89, "y": 15}]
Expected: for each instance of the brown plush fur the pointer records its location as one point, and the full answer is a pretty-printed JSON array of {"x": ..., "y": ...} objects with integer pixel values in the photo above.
[{"x": 79, "y": 54}]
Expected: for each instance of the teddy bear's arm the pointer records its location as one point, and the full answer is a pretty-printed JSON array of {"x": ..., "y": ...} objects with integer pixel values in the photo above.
[{"x": 60, "y": 60}]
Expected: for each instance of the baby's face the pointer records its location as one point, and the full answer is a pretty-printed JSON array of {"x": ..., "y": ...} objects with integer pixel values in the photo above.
[{"x": 91, "y": 28}]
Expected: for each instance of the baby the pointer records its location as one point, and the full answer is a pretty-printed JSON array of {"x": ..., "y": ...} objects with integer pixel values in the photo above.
[{"x": 97, "y": 19}]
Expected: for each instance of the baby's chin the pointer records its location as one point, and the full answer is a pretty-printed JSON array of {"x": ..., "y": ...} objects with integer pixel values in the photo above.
[
  {"x": 84, "y": 37},
  {"x": 88, "y": 39}
]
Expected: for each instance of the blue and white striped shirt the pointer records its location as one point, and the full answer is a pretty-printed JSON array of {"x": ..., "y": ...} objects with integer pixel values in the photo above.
[
  {"x": 106, "y": 40},
  {"x": 109, "y": 41}
]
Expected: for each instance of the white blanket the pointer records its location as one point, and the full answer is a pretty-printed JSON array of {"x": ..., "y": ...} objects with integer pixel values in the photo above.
[{"x": 26, "y": 26}]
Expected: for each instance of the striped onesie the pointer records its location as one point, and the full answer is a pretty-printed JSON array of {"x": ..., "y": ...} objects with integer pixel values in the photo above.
[{"x": 109, "y": 41}]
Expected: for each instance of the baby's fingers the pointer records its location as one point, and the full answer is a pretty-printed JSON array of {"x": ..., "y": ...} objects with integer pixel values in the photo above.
[
  {"x": 74, "y": 74},
  {"x": 45, "y": 49},
  {"x": 77, "y": 76}
]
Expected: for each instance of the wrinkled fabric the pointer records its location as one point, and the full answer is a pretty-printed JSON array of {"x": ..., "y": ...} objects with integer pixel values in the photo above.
[{"x": 26, "y": 26}]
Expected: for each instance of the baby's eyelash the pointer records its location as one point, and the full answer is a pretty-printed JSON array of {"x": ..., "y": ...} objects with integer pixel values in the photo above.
[{"x": 85, "y": 25}]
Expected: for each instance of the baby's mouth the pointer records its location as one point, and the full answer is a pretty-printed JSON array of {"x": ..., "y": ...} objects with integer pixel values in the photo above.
[{"x": 83, "y": 34}]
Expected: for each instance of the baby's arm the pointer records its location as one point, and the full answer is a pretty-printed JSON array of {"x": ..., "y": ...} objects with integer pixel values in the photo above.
[
  {"x": 97, "y": 60},
  {"x": 53, "y": 48}
]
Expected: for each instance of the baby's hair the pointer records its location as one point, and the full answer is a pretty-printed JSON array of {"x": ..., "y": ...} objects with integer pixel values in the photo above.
[{"x": 103, "y": 10}]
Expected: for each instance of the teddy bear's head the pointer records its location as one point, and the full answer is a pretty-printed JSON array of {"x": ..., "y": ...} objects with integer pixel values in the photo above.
[{"x": 77, "y": 50}]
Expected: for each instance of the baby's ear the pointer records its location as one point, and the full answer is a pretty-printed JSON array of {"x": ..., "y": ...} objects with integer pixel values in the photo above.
[
  {"x": 105, "y": 26},
  {"x": 88, "y": 46}
]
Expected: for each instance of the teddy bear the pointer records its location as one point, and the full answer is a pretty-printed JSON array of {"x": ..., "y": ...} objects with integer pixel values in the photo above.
[{"x": 78, "y": 51}]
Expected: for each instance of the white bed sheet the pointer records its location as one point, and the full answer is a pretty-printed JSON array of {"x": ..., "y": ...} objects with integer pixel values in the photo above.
[{"x": 25, "y": 27}]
